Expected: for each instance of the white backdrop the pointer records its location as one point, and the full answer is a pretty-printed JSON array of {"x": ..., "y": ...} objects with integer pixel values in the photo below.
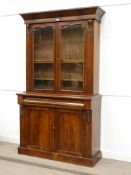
[{"x": 115, "y": 71}]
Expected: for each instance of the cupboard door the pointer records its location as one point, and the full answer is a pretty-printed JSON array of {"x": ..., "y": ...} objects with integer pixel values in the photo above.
[
  {"x": 40, "y": 128},
  {"x": 73, "y": 133},
  {"x": 43, "y": 53},
  {"x": 72, "y": 56}
]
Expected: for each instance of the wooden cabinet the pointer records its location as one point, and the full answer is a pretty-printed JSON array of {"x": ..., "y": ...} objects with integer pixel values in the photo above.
[{"x": 60, "y": 110}]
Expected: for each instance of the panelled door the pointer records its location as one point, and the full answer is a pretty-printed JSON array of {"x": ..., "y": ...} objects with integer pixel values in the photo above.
[
  {"x": 37, "y": 128},
  {"x": 73, "y": 133},
  {"x": 56, "y": 130}
]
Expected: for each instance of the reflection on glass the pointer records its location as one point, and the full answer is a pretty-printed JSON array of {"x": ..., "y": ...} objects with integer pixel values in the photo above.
[
  {"x": 43, "y": 58},
  {"x": 72, "y": 58}
]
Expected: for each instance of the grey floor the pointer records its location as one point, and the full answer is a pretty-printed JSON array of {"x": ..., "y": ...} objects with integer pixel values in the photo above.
[{"x": 13, "y": 164}]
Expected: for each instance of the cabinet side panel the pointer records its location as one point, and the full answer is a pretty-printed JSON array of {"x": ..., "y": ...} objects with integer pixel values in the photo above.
[
  {"x": 96, "y": 57},
  {"x": 96, "y": 121}
]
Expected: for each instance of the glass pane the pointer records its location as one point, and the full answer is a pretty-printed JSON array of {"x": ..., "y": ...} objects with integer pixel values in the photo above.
[
  {"x": 43, "y": 58},
  {"x": 72, "y": 58}
]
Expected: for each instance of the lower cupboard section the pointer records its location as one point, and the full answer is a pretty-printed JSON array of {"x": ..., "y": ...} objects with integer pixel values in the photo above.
[{"x": 57, "y": 134}]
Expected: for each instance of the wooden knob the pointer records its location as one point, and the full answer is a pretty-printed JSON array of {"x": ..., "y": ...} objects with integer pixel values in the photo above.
[{"x": 54, "y": 128}]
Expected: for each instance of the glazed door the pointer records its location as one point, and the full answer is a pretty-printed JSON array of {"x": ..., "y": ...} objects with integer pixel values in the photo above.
[
  {"x": 72, "y": 56},
  {"x": 73, "y": 133},
  {"x": 43, "y": 57},
  {"x": 58, "y": 54},
  {"x": 37, "y": 128}
]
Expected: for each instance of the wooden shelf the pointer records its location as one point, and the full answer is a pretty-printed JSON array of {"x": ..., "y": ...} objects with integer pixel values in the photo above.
[
  {"x": 71, "y": 80},
  {"x": 44, "y": 61},
  {"x": 72, "y": 61},
  {"x": 62, "y": 61},
  {"x": 47, "y": 79},
  {"x": 51, "y": 79}
]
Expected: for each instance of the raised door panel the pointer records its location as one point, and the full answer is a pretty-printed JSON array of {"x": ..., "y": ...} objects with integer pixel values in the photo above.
[
  {"x": 70, "y": 132},
  {"x": 40, "y": 128}
]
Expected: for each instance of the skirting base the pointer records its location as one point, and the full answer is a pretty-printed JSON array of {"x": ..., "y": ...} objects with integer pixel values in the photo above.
[{"x": 61, "y": 157}]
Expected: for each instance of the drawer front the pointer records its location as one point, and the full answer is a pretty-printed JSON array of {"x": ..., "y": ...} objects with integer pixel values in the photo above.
[{"x": 56, "y": 103}]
